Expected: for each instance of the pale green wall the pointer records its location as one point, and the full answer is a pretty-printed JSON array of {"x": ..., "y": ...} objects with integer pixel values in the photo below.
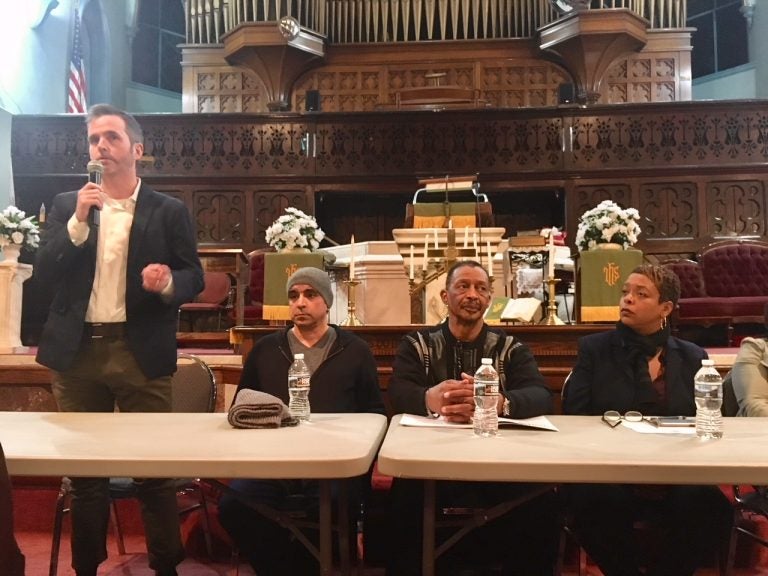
[
  {"x": 748, "y": 81},
  {"x": 758, "y": 47},
  {"x": 739, "y": 83},
  {"x": 35, "y": 63},
  {"x": 140, "y": 98},
  {"x": 6, "y": 174}
]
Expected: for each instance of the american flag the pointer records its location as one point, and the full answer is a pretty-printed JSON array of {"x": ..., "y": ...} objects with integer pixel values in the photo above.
[{"x": 76, "y": 88}]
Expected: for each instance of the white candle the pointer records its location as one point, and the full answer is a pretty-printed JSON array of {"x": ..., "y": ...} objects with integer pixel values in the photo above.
[
  {"x": 466, "y": 236},
  {"x": 437, "y": 245},
  {"x": 410, "y": 265},
  {"x": 490, "y": 257},
  {"x": 352, "y": 258},
  {"x": 450, "y": 222},
  {"x": 474, "y": 243},
  {"x": 551, "y": 267},
  {"x": 425, "y": 262}
]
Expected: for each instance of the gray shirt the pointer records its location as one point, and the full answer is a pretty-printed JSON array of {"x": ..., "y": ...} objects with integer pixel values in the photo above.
[{"x": 314, "y": 355}]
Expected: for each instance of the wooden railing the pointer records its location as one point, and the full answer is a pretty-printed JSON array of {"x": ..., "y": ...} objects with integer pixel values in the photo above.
[{"x": 373, "y": 21}]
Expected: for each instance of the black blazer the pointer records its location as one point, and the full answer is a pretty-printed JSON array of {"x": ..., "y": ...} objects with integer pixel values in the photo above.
[
  {"x": 161, "y": 233},
  {"x": 603, "y": 379}
]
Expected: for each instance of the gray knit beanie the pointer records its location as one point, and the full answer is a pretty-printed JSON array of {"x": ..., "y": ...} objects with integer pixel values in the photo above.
[{"x": 314, "y": 277}]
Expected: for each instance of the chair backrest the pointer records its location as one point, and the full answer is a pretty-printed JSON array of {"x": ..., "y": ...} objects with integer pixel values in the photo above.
[
  {"x": 730, "y": 403},
  {"x": 256, "y": 279},
  {"x": 691, "y": 278},
  {"x": 11, "y": 559},
  {"x": 735, "y": 268},
  {"x": 217, "y": 288},
  {"x": 194, "y": 385},
  {"x": 437, "y": 215}
]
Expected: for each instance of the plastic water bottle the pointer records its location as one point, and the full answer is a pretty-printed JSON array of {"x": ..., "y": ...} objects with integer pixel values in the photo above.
[
  {"x": 486, "y": 419},
  {"x": 298, "y": 388},
  {"x": 708, "y": 390}
]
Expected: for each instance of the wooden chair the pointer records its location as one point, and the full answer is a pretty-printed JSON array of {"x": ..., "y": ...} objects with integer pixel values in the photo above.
[
  {"x": 194, "y": 390},
  {"x": 216, "y": 298},
  {"x": 748, "y": 505},
  {"x": 454, "y": 199}
]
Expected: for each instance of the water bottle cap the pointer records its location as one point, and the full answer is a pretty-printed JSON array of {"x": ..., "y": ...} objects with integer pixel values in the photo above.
[
  {"x": 707, "y": 362},
  {"x": 486, "y": 361},
  {"x": 298, "y": 356}
]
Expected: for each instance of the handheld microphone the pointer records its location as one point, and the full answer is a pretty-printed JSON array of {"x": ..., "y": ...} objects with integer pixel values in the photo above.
[{"x": 95, "y": 171}]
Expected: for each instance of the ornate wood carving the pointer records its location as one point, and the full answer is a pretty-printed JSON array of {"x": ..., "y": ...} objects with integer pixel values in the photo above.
[
  {"x": 269, "y": 204},
  {"x": 586, "y": 42},
  {"x": 693, "y": 170},
  {"x": 278, "y": 57},
  {"x": 229, "y": 90},
  {"x": 506, "y": 73},
  {"x": 736, "y": 208},
  {"x": 669, "y": 210}
]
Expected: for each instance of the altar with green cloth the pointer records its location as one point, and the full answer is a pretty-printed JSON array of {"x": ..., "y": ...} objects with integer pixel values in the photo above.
[
  {"x": 602, "y": 274},
  {"x": 278, "y": 268}
]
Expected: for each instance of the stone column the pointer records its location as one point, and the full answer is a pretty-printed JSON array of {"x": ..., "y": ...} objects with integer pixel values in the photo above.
[{"x": 12, "y": 277}]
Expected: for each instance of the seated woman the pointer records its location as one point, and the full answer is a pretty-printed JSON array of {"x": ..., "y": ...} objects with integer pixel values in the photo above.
[
  {"x": 640, "y": 366},
  {"x": 750, "y": 375}
]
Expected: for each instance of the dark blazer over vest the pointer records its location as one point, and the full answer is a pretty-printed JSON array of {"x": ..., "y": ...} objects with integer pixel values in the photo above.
[
  {"x": 603, "y": 378},
  {"x": 161, "y": 233}
]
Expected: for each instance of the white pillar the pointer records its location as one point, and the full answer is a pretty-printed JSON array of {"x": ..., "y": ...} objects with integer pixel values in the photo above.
[{"x": 12, "y": 277}]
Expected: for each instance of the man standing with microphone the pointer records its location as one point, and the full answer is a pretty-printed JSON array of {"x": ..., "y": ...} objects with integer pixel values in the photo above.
[{"x": 110, "y": 338}]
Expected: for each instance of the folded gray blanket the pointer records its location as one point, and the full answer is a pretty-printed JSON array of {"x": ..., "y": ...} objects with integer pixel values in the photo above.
[{"x": 254, "y": 409}]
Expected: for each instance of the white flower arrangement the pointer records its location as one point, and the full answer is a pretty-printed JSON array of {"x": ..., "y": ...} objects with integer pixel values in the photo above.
[
  {"x": 605, "y": 223},
  {"x": 294, "y": 229},
  {"x": 17, "y": 228}
]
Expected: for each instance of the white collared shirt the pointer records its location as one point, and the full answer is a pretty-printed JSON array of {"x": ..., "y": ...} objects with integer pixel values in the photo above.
[{"x": 107, "y": 301}]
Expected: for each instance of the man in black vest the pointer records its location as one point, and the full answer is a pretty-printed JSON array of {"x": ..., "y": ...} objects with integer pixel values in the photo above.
[{"x": 433, "y": 376}]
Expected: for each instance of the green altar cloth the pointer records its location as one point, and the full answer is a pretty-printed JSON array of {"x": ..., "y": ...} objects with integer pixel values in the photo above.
[
  {"x": 277, "y": 269},
  {"x": 602, "y": 276}
]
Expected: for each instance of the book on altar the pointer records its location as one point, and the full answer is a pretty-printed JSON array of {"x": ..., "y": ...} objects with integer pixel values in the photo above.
[
  {"x": 496, "y": 307},
  {"x": 513, "y": 309}
]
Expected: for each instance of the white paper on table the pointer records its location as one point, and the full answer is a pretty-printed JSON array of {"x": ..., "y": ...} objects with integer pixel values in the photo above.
[
  {"x": 537, "y": 422},
  {"x": 645, "y": 427}
]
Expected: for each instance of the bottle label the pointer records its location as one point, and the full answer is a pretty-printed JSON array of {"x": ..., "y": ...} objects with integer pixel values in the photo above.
[
  {"x": 486, "y": 388},
  {"x": 298, "y": 382}
]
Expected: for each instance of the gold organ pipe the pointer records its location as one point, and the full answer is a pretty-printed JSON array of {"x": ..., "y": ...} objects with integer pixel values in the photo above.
[{"x": 373, "y": 21}]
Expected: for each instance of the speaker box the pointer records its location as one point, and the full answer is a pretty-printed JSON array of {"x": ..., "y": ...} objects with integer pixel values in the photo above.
[
  {"x": 312, "y": 101},
  {"x": 566, "y": 94}
]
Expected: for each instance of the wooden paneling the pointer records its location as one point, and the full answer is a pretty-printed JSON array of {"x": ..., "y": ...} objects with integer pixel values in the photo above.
[{"x": 694, "y": 171}]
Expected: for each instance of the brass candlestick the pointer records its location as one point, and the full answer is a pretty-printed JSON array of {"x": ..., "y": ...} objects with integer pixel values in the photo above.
[
  {"x": 351, "y": 319},
  {"x": 552, "y": 319}
]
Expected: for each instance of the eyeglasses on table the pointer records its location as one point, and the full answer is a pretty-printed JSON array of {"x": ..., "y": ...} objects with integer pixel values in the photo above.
[{"x": 613, "y": 417}]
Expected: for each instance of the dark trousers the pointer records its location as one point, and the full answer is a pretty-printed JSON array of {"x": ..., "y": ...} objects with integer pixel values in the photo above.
[
  {"x": 688, "y": 525},
  {"x": 522, "y": 542},
  {"x": 105, "y": 375},
  {"x": 270, "y": 548}
]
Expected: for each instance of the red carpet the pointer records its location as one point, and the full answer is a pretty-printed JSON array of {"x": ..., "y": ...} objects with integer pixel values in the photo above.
[{"x": 34, "y": 512}]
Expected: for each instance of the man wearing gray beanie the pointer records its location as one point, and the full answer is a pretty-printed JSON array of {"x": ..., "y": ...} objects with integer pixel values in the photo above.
[
  {"x": 314, "y": 277},
  {"x": 344, "y": 379}
]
